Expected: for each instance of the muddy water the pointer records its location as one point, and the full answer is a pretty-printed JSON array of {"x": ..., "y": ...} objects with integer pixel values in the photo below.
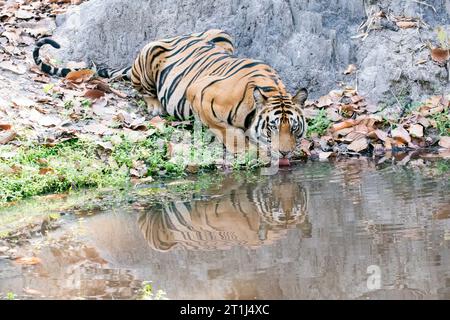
[{"x": 314, "y": 231}]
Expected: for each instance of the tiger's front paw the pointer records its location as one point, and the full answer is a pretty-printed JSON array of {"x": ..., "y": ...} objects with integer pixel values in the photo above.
[
  {"x": 156, "y": 110},
  {"x": 154, "y": 107}
]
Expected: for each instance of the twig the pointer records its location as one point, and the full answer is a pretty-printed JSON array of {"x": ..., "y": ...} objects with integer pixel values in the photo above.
[{"x": 425, "y": 4}]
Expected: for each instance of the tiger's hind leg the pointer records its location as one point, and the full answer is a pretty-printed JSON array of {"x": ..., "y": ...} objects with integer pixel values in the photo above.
[{"x": 154, "y": 107}]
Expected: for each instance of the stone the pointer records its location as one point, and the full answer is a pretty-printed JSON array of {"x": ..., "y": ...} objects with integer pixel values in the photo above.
[{"x": 309, "y": 42}]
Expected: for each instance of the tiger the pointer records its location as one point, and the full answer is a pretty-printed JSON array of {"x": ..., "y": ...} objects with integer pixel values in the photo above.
[
  {"x": 199, "y": 75},
  {"x": 249, "y": 214}
]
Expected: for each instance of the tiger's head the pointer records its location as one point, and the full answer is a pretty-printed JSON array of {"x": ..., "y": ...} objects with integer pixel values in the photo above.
[{"x": 279, "y": 122}]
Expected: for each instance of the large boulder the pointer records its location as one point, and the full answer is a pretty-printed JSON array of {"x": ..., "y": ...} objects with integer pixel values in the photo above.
[{"x": 309, "y": 42}]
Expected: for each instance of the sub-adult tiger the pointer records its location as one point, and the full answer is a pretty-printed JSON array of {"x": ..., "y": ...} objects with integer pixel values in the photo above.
[{"x": 238, "y": 99}]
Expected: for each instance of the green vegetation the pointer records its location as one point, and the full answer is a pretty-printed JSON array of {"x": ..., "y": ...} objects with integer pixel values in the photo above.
[
  {"x": 443, "y": 166},
  {"x": 31, "y": 169},
  {"x": 10, "y": 296},
  {"x": 146, "y": 292},
  {"x": 37, "y": 170},
  {"x": 442, "y": 123},
  {"x": 443, "y": 38},
  {"x": 319, "y": 124}
]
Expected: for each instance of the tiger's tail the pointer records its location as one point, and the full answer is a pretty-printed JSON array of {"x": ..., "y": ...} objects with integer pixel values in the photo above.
[{"x": 124, "y": 73}]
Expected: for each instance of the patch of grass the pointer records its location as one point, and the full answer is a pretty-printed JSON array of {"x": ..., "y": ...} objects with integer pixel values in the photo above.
[
  {"x": 38, "y": 170},
  {"x": 442, "y": 123},
  {"x": 443, "y": 166},
  {"x": 31, "y": 169},
  {"x": 319, "y": 124}
]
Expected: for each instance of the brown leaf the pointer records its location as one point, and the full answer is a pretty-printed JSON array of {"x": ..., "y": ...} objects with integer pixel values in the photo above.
[
  {"x": 334, "y": 115},
  {"x": 358, "y": 145},
  {"x": 378, "y": 134},
  {"x": 5, "y": 126},
  {"x": 352, "y": 136},
  {"x": 94, "y": 94},
  {"x": 305, "y": 147},
  {"x": 29, "y": 261},
  {"x": 44, "y": 171},
  {"x": 357, "y": 98},
  {"x": 158, "y": 122},
  {"x": 406, "y": 24},
  {"x": 440, "y": 55},
  {"x": 324, "y": 101},
  {"x": 7, "y": 136},
  {"x": 401, "y": 134},
  {"x": 80, "y": 75},
  {"x": 444, "y": 142},
  {"x": 342, "y": 125},
  {"x": 442, "y": 213},
  {"x": 342, "y": 132}
]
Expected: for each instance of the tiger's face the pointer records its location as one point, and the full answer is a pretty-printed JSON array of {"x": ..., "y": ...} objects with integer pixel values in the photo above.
[{"x": 279, "y": 123}]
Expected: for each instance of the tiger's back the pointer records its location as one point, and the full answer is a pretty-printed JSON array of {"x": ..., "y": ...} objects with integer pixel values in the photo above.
[{"x": 181, "y": 71}]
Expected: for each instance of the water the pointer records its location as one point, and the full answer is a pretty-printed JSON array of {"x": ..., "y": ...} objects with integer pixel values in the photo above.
[{"x": 349, "y": 230}]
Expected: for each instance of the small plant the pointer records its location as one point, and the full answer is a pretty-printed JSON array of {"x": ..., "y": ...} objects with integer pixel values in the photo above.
[
  {"x": 444, "y": 39},
  {"x": 141, "y": 103},
  {"x": 68, "y": 104},
  {"x": 442, "y": 123},
  {"x": 146, "y": 292},
  {"x": 48, "y": 87},
  {"x": 10, "y": 296},
  {"x": 86, "y": 103},
  {"x": 319, "y": 124},
  {"x": 443, "y": 166}
]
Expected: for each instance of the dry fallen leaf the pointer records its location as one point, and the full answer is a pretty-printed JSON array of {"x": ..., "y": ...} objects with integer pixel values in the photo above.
[
  {"x": 358, "y": 145},
  {"x": 5, "y": 126},
  {"x": 94, "y": 94},
  {"x": 401, "y": 134},
  {"x": 7, "y": 136},
  {"x": 44, "y": 171},
  {"x": 378, "y": 134},
  {"x": 345, "y": 124},
  {"x": 28, "y": 261},
  {"x": 406, "y": 24},
  {"x": 440, "y": 55},
  {"x": 444, "y": 142},
  {"x": 80, "y": 75},
  {"x": 158, "y": 122},
  {"x": 324, "y": 101}
]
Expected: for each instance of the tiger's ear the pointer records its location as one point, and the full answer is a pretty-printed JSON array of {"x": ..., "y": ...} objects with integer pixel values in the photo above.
[
  {"x": 301, "y": 96},
  {"x": 259, "y": 98}
]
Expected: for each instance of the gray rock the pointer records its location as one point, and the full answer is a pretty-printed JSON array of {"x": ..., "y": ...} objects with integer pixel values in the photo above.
[{"x": 309, "y": 42}]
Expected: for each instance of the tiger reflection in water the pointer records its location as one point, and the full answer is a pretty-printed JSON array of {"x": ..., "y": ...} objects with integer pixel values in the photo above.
[{"x": 247, "y": 214}]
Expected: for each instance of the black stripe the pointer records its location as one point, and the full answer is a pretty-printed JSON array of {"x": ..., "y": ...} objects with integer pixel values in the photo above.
[
  {"x": 249, "y": 119},
  {"x": 221, "y": 39}
]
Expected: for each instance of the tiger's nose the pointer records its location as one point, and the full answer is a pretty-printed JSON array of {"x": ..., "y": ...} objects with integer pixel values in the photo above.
[{"x": 285, "y": 153}]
